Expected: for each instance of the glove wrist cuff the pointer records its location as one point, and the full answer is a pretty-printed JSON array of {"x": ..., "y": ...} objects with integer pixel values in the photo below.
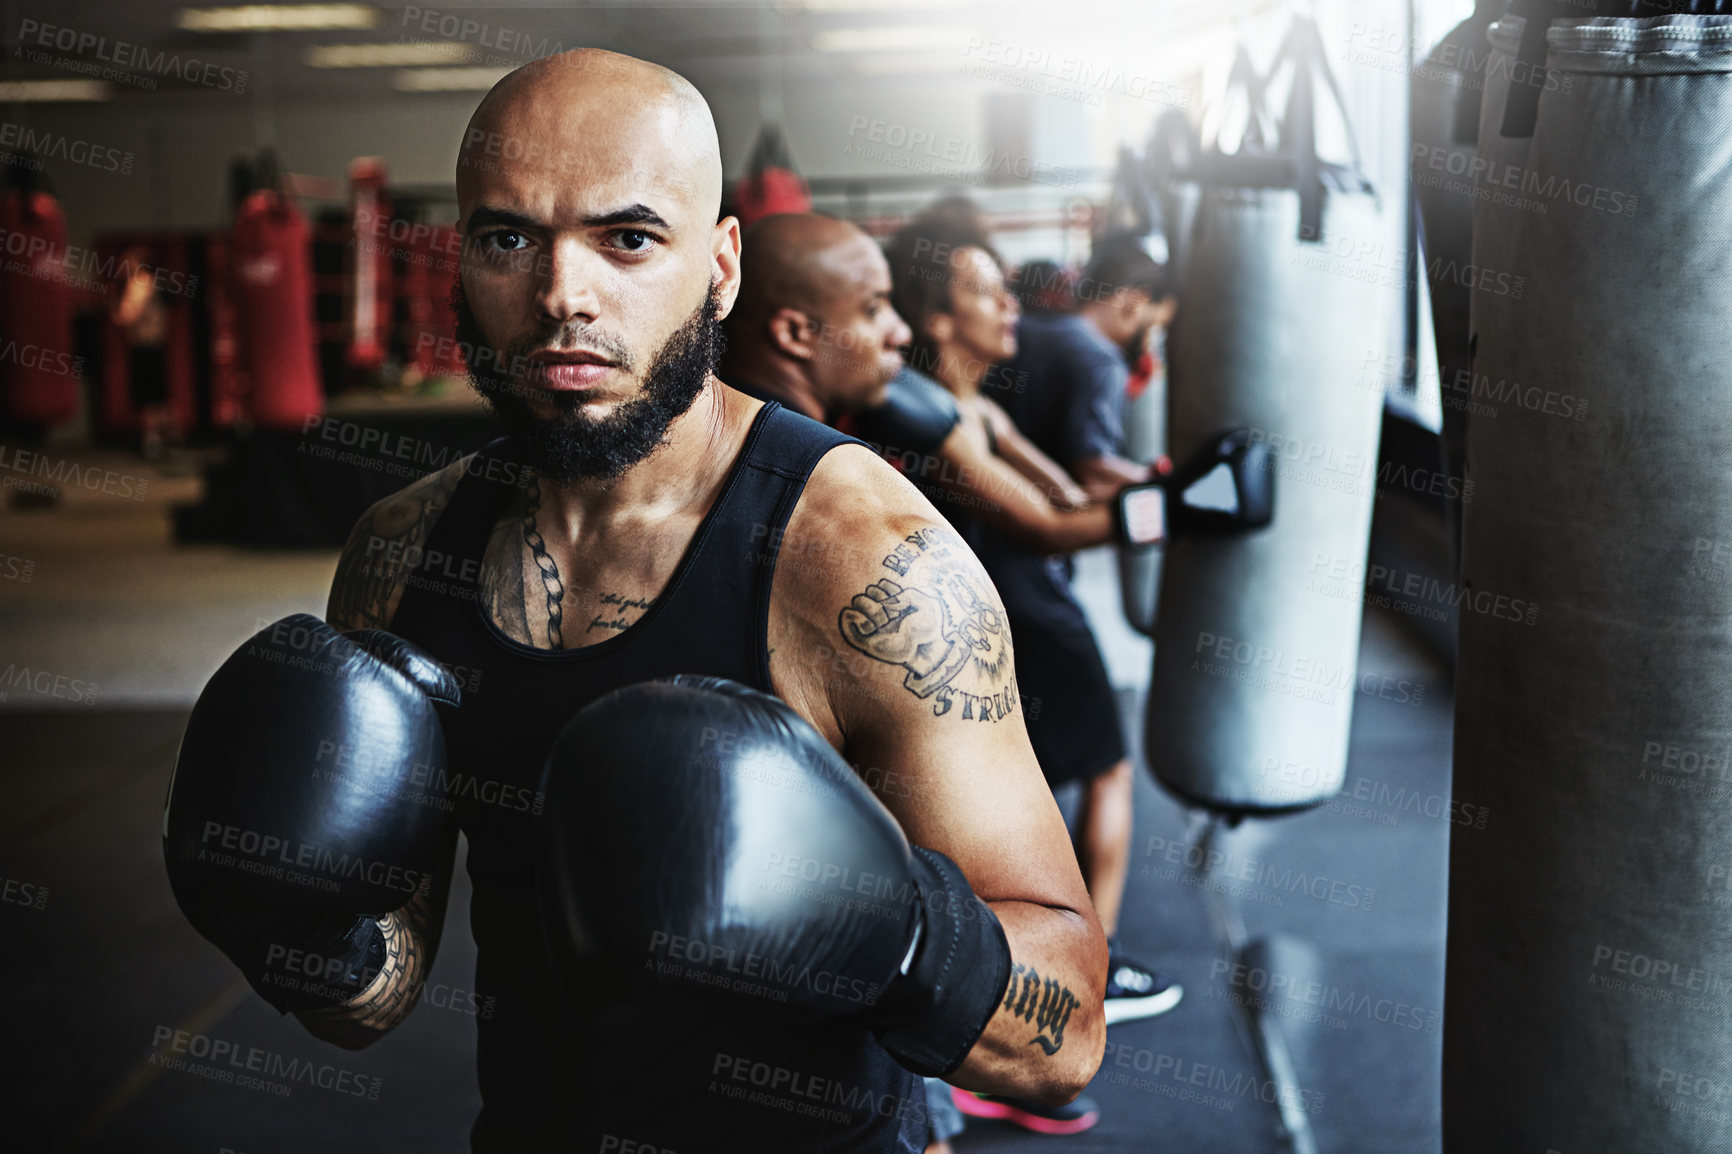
[{"x": 929, "y": 1018}]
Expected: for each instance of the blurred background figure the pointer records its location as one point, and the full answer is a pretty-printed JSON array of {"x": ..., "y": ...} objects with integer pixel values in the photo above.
[
  {"x": 1073, "y": 361},
  {"x": 141, "y": 312},
  {"x": 813, "y": 327},
  {"x": 950, "y": 285}
]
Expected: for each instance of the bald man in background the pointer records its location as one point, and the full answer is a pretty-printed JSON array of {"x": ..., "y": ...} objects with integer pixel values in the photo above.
[
  {"x": 628, "y": 529},
  {"x": 812, "y": 326}
]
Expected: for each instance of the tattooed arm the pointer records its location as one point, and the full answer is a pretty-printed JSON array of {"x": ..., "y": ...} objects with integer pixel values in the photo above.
[
  {"x": 411, "y": 940},
  {"x": 384, "y": 549},
  {"x": 897, "y": 649}
]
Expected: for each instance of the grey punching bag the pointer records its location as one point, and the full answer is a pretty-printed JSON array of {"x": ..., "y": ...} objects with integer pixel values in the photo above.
[
  {"x": 1590, "y": 923},
  {"x": 1255, "y": 649},
  {"x": 1446, "y": 93}
]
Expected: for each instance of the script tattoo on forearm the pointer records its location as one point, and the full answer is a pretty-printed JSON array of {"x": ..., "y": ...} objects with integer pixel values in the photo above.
[
  {"x": 941, "y": 621},
  {"x": 1045, "y": 1002},
  {"x": 391, "y": 995}
]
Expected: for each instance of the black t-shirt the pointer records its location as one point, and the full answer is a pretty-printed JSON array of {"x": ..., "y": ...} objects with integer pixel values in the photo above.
[{"x": 1072, "y": 400}]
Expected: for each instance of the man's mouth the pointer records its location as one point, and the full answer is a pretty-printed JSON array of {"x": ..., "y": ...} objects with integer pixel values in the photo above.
[{"x": 569, "y": 369}]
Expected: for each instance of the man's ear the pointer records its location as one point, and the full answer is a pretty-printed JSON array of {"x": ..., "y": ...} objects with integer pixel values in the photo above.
[
  {"x": 793, "y": 333},
  {"x": 725, "y": 253}
]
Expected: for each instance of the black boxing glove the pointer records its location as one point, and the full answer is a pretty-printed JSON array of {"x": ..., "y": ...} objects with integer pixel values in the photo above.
[
  {"x": 303, "y": 805},
  {"x": 1227, "y": 486},
  {"x": 699, "y": 833},
  {"x": 916, "y": 416}
]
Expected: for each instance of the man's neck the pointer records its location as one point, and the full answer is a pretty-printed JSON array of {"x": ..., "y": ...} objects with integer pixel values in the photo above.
[
  {"x": 679, "y": 474},
  {"x": 961, "y": 372},
  {"x": 774, "y": 380},
  {"x": 1097, "y": 317}
]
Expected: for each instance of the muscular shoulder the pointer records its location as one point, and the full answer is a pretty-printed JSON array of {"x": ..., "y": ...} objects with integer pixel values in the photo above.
[
  {"x": 384, "y": 548},
  {"x": 884, "y": 611}
]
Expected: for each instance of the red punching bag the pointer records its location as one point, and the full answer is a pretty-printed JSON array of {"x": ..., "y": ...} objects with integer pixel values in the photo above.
[
  {"x": 274, "y": 310},
  {"x": 37, "y": 365},
  {"x": 367, "y": 282},
  {"x": 770, "y": 185}
]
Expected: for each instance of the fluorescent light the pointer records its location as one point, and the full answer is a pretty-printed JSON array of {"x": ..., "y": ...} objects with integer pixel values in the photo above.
[
  {"x": 864, "y": 5},
  {"x": 408, "y": 55},
  {"x": 891, "y": 38},
  {"x": 52, "y": 91},
  {"x": 904, "y": 65},
  {"x": 278, "y": 18},
  {"x": 449, "y": 79}
]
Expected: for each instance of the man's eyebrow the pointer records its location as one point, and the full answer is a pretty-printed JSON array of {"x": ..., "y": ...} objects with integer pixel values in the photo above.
[
  {"x": 486, "y": 217},
  {"x": 489, "y": 217},
  {"x": 632, "y": 214}
]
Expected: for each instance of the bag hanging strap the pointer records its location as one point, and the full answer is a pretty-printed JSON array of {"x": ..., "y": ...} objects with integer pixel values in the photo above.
[{"x": 1303, "y": 49}]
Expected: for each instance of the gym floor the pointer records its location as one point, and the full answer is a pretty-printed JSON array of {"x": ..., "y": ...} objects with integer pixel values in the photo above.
[{"x": 102, "y": 972}]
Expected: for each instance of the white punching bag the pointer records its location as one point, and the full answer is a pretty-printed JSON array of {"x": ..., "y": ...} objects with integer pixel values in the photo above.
[
  {"x": 1590, "y": 923},
  {"x": 1255, "y": 649}
]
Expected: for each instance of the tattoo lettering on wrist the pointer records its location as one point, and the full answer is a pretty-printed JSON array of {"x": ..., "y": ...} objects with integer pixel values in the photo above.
[{"x": 1045, "y": 1002}]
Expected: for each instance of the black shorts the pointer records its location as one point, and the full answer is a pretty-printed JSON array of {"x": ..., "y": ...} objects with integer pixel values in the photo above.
[
  {"x": 148, "y": 369},
  {"x": 1067, "y": 699}
]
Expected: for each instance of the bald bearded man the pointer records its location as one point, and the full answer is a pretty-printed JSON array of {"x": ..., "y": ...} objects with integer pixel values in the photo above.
[
  {"x": 812, "y": 326},
  {"x": 643, "y": 520}
]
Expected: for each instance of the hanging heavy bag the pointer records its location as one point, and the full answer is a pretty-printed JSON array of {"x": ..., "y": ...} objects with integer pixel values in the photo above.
[
  {"x": 1254, "y": 660},
  {"x": 40, "y": 376},
  {"x": 368, "y": 291},
  {"x": 272, "y": 284},
  {"x": 1446, "y": 92},
  {"x": 770, "y": 185},
  {"x": 1590, "y": 951}
]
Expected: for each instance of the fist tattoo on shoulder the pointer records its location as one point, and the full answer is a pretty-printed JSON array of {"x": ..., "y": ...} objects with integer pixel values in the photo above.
[{"x": 938, "y": 620}]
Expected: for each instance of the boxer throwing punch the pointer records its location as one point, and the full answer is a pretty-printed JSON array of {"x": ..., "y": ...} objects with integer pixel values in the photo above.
[{"x": 642, "y": 520}]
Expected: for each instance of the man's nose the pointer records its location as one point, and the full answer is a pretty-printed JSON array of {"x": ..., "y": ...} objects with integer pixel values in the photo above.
[
  {"x": 900, "y": 334},
  {"x": 566, "y": 282}
]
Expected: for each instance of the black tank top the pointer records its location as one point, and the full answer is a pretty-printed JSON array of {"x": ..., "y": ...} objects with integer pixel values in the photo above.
[{"x": 565, "y": 1072}]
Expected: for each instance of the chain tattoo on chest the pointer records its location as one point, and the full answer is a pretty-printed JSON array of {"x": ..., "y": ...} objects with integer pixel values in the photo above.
[
  {"x": 550, "y": 579},
  {"x": 940, "y": 620}
]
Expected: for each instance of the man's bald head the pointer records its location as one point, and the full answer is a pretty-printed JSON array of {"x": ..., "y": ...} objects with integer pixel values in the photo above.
[
  {"x": 813, "y": 323},
  {"x": 800, "y": 260},
  {"x": 589, "y": 107}
]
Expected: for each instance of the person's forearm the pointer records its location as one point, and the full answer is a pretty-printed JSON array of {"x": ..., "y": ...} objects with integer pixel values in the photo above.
[
  {"x": 1047, "y": 1036},
  {"x": 1013, "y": 505},
  {"x": 1052, "y": 481},
  {"x": 1048, "y": 530},
  {"x": 411, "y": 940},
  {"x": 1102, "y": 477}
]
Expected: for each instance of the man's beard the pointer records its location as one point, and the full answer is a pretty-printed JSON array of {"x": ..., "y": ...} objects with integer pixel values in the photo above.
[{"x": 572, "y": 445}]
